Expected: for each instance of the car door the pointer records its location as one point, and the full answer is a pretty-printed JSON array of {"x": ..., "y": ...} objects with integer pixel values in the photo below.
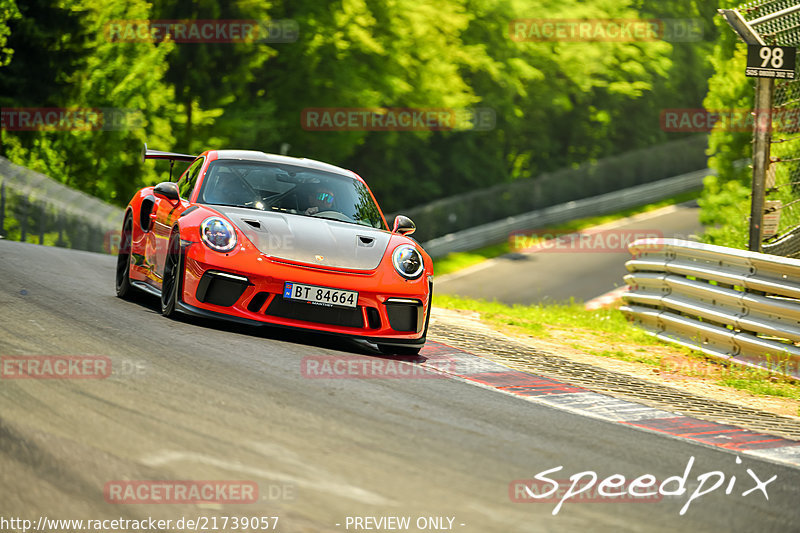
[{"x": 167, "y": 212}]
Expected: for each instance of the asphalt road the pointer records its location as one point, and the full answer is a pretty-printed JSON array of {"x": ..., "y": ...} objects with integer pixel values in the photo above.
[
  {"x": 559, "y": 273},
  {"x": 195, "y": 400}
]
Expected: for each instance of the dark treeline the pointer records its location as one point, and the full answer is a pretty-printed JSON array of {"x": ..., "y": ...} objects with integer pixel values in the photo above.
[{"x": 554, "y": 104}]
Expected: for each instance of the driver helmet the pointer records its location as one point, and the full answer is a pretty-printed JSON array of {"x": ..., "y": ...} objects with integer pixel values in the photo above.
[{"x": 322, "y": 197}]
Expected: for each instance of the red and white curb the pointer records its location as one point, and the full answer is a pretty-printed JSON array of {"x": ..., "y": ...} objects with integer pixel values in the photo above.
[{"x": 545, "y": 391}]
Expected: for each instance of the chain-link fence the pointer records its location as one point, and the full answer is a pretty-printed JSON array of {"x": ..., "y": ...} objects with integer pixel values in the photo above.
[
  {"x": 783, "y": 174},
  {"x": 35, "y": 208}
]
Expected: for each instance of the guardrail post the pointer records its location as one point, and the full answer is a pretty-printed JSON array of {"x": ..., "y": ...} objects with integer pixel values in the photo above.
[
  {"x": 42, "y": 222},
  {"x": 87, "y": 234},
  {"x": 60, "y": 223},
  {"x": 765, "y": 87},
  {"x": 2, "y": 208},
  {"x": 92, "y": 244},
  {"x": 23, "y": 219}
]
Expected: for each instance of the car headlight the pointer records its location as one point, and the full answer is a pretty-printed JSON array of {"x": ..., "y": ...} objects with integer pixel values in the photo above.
[
  {"x": 407, "y": 261},
  {"x": 218, "y": 234}
]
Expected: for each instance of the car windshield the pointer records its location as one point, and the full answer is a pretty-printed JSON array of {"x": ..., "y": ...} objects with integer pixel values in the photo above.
[{"x": 289, "y": 189}]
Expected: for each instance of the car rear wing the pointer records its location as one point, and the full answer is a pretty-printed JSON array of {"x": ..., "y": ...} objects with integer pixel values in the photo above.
[
  {"x": 171, "y": 156},
  {"x": 157, "y": 154}
]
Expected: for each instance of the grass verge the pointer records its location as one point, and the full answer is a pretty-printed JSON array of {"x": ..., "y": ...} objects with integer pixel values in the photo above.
[{"x": 606, "y": 333}]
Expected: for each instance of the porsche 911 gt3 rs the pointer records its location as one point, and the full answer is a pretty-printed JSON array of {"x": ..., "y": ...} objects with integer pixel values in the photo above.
[{"x": 268, "y": 239}]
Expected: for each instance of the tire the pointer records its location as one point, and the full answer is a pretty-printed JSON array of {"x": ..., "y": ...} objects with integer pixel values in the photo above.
[
  {"x": 391, "y": 349},
  {"x": 123, "y": 285},
  {"x": 173, "y": 274}
]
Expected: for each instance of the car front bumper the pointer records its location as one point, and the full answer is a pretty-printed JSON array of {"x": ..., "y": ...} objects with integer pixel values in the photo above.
[{"x": 248, "y": 286}]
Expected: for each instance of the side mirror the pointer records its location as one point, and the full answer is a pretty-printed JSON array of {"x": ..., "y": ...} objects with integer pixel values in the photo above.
[
  {"x": 403, "y": 225},
  {"x": 168, "y": 190}
]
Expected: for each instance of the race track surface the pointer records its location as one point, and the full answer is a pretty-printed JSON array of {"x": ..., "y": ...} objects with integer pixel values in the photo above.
[
  {"x": 197, "y": 400},
  {"x": 560, "y": 274}
]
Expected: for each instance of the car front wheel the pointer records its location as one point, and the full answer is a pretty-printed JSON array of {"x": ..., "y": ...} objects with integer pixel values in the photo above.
[
  {"x": 170, "y": 288},
  {"x": 123, "y": 280}
]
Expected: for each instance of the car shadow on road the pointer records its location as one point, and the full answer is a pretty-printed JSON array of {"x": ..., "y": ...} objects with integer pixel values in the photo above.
[{"x": 281, "y": 333}]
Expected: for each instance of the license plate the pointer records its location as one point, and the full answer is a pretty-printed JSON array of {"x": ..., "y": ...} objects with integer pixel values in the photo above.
[{"x": 320, "y": 295}]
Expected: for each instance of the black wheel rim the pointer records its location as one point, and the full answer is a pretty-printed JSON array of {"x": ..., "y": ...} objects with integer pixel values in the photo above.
[
  {"x": 170, "y": 276},
  {"x": 124, "y": 254}
]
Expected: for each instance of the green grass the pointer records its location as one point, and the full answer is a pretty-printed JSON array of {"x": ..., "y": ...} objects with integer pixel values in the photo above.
[
  {"x": 531, "y": 319},
  {"x": 461, "y": 260},
  {"x": 607, "y": 333},
  {"x": 759, "y": 383}
]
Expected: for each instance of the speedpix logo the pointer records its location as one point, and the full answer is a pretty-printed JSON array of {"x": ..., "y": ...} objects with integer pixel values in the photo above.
[{"x": 585, "y": 486}]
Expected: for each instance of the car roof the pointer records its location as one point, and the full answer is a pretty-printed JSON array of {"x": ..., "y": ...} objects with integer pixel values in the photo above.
[{"x": 253, "y": 155}]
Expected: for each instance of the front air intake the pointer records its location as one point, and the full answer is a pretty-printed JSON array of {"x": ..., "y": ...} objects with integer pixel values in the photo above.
[{"x": 221, "y": 288}]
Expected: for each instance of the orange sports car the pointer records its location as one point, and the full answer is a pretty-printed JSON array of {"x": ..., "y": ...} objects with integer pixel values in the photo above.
[{"x": 268, "y": 239}]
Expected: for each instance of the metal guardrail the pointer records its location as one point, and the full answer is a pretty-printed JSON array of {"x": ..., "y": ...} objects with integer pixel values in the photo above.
[
  {"x": 36, "y": 208},
  {"x": 500, "y": 230},
  {"x": 729, "y": 304},
  {"x": 476, "y": 207}
]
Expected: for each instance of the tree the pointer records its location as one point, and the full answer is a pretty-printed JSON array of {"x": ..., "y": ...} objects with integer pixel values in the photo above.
[
  {"x": 209, "y": 78},
  {"x": 8, "y": 11},
  {"x": 83, "y": 69}
]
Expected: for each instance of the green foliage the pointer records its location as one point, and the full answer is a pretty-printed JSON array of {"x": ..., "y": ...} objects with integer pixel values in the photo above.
[
  {"x": 725, "y": 201},
  {"x": 8, "y": 11},
  {"x": 121, "y": 77},
  {"x": 725, "y": 211},
  {"x": 210, "y": 78},
  {"x": 557, "y": 104}
]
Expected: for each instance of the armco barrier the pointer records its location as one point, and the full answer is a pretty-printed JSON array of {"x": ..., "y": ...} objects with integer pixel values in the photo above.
[
  {"x": 730, "y": 304},
  {"x": 593, "y": 178},
  {"x": 36, "y": 208},
  {"x": 500, "y": 230}
]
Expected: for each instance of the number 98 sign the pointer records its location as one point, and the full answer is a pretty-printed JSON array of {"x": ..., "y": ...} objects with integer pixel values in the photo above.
[{"x": 771, "y": 61}]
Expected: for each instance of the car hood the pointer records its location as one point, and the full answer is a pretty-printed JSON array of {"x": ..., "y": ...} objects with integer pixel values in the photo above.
[{"x": 315, "y": 241}]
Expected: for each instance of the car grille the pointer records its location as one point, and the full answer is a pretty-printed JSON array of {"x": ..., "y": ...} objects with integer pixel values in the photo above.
[{"x": 320, "y": 314}]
